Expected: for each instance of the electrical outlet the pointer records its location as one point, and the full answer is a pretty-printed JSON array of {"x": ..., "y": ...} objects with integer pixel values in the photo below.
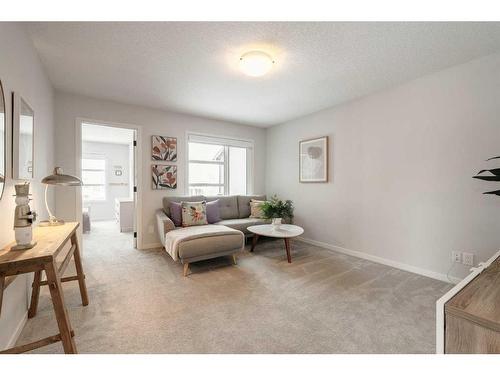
[
  {"x": 456, "y": 256},
  {"x": 468, "y": 259},
  {"x": 151, "y": 229}
]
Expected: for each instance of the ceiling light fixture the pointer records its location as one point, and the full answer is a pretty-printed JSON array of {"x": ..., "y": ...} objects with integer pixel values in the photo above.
[{"x": 256, "y": 63}]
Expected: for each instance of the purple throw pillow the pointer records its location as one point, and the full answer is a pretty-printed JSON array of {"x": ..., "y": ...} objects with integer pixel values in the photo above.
[
  {"x": 176, "y": 213},
  {"x": 213, "y": 212}
]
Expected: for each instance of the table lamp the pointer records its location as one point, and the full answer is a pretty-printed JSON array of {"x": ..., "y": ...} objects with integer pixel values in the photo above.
[{"x": 57, "y": 178}]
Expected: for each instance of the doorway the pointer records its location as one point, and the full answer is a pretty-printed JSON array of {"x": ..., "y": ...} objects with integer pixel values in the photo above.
[{"x": 108, "y": 200}]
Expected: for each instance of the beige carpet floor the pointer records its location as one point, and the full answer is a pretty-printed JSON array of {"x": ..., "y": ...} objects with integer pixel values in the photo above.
[{"x": 324, "y": 302}]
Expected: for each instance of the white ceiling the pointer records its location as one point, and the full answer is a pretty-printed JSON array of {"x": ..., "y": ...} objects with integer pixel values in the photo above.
[{"x": 192, "y": 67}]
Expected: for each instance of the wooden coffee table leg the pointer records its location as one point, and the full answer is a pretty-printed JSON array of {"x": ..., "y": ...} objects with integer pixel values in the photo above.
[
  {"x": 287, "y": 247},
  {"x": 254, "y": 241}
]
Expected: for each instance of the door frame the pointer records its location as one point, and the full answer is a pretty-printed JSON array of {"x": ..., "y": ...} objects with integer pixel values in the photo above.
[{"x": 138, "y": 242}]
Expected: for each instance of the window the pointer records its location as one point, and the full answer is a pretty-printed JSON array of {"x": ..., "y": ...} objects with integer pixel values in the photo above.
[
  {"x": 218, "y": 166},
  {"x": 94, "y": 179}
]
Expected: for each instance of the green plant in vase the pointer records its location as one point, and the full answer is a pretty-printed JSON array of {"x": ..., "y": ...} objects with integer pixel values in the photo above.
[{"x": 277, "y": 210}]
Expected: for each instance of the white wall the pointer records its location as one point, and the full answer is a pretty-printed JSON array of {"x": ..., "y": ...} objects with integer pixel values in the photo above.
[
  {"x": 114, "y": 155},
  {"x": 401, "y": 163},
  {"x": 21, "y": 71},
  {"x": 68, "y": 107}
]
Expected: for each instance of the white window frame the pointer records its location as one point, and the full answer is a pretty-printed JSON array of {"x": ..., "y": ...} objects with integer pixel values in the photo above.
[
  {"x": 91, "y": 156},
  {"x": 226, "y": 142}
]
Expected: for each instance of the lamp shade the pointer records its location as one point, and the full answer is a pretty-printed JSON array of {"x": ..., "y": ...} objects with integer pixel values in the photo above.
[{"x": 58, "y": 178}]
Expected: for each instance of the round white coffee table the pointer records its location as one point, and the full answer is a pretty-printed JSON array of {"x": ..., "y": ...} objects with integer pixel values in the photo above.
[{"x": 285, "y": 231}]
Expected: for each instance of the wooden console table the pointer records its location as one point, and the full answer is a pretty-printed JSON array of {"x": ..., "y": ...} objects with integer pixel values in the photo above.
[{"x": 52, "y": 256}]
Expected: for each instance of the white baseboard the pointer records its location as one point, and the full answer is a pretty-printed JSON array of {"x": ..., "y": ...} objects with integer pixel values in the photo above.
[
  {"x": 387, "y": 262},
  {"x": 17, "y": 332}
]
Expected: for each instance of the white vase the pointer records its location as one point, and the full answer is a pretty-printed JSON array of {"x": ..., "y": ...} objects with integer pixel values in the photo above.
[{"x": 276, "y": 222}]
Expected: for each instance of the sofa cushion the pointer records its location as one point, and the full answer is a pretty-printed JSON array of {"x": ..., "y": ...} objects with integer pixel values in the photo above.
[
  {"x": 194, "y": 213},
  {"x": 242, "y": 224},
  {"x": 213, "y": 212},
  {"x": 228, "y": 206},
  {"x": 168, "y": 199},
  {"x": 244, "y": 204},
  {"x": 256, "y": 209},
  {"x": 176, "y": 213}
]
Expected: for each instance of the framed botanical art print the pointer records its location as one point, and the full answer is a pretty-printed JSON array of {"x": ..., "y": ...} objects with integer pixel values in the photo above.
[
  {"x": 164, "y": 177},
  {"x": 163, "y": 148},
  {"x": 313, "y": 160}
]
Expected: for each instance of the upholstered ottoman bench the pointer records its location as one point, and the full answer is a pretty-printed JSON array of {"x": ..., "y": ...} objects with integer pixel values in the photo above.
[{"x": 195, "y": 243}]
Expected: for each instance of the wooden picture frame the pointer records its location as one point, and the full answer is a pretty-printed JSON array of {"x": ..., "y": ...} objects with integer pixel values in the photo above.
[{"x": 313, "y": 160}]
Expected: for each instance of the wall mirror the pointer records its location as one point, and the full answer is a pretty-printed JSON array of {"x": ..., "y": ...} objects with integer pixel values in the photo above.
[
  {"x": 22, "y": 138},
  {"x": 3, "y": 144}
]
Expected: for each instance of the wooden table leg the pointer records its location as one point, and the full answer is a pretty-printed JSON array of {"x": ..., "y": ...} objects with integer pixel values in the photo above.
[
  {"x": 79, "y": 270},
  {"x": 60, "y": 309},
  {"x": 287, "y": 247},
  {"x": 34, "y": 345},
  {"x": 254, "y": 241},
  {"x": 35, "y": 294}
]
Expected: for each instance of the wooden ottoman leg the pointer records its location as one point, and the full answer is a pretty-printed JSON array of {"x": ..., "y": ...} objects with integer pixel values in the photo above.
[{"x": 186, "y": 269}]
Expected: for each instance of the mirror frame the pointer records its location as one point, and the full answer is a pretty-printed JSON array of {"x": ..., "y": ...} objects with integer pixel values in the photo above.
[
  {"x": 2, "y": 188},
  {"x": 16, "y": 113}
]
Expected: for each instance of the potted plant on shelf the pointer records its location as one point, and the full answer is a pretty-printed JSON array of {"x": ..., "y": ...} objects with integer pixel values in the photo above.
[{"x": 277, "y": 210}]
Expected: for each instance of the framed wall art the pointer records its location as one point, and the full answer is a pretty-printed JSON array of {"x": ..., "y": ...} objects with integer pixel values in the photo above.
[
  {"x": 313, "y": 160},
  {"x": 164, "y": 177},
  {"x": 163, "y": 148}
]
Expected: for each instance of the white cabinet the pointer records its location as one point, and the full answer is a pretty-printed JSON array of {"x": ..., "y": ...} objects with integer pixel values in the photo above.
[{"x": 124, "y": 214}]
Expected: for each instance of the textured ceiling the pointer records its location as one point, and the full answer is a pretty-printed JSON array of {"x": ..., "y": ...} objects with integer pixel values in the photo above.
[{"x": 192, "y": 67}]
